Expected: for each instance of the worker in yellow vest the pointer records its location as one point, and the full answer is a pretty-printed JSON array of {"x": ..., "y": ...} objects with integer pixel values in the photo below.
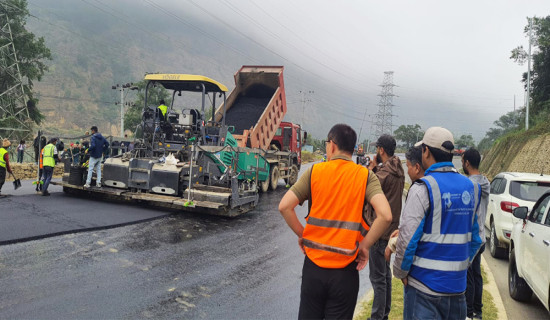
[
  {"x": 336, "y": 238},
  {"x": 49, "y": 157},
  {"x": 162, "y": 109},
  {"x": 4, "y": 162}
]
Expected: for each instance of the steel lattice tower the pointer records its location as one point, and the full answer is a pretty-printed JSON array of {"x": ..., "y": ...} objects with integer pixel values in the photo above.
[
  {"x": 14, "y": 114},
  {"x": 383, "y": 119}
]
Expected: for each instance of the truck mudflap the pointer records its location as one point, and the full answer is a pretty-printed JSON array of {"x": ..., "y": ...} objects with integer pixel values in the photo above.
[{"x": 228, "y": 202}]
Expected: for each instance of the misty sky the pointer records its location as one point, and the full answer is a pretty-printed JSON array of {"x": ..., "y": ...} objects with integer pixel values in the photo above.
[{"x": 450, "y": 59}]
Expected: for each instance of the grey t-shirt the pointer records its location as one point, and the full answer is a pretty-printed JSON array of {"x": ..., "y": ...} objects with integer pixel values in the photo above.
[{"x": 482, "y": 212}]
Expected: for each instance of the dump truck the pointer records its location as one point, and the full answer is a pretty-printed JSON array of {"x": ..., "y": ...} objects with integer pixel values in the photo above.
[
  {"x": 189, "y": 161},
  {"x": 256, "y": 108}
]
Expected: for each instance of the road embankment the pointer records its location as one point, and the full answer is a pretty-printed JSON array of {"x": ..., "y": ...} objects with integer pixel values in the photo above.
[{"x": 522, "y": 152}]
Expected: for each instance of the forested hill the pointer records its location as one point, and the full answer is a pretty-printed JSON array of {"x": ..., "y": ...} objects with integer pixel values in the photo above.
[{"x": 96, "y": 44}]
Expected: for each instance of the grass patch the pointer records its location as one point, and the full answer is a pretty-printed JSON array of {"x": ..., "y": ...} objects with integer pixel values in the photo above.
[
  {"x": 490, "y": 311},
  {"x": 310, "y": 157}
]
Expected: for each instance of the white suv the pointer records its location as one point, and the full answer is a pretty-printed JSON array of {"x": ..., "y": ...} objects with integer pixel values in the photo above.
[
  {"x": 510, "y": 190},
  {"x": 529, "y": 267}
]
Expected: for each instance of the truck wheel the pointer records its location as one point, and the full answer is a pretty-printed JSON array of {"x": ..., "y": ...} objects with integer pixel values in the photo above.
[
  {"x": 496, "y": 251},
  {"x": 518, "y": 288},
  {"x": 293, "y": 175},
  {"x": 264, "y": 185},
  {"x": 274, "y": 177}
]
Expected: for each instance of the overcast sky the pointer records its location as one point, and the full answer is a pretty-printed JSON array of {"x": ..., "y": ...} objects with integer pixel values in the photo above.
[{"x": 450, "y": 59}]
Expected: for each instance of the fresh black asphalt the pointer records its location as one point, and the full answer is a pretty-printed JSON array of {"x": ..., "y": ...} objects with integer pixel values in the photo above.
[{"x": 26, "y": 215}]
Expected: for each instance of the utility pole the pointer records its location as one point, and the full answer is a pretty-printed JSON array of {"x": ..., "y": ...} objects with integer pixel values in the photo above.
[
  {"x": 304, "y": 101},
  {"x": 383, "y": 121},
  {"x": 122, "y": 88},
  {"x": 528, "y": 76}
]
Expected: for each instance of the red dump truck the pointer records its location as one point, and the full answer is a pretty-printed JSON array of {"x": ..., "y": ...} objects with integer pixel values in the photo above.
[{"x": 256, "y": 108}]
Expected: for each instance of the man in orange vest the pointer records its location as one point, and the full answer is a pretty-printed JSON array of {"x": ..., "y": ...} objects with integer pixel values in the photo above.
[{"x": 336, "y": 238}]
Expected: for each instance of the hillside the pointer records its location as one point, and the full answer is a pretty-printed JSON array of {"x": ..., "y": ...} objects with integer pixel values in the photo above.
[
  {"x": 520, "y": 151},
  {"x": 98, "y": 44}
]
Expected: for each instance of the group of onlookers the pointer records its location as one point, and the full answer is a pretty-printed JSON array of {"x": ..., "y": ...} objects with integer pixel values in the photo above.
[{"x": 356, "y": 215}]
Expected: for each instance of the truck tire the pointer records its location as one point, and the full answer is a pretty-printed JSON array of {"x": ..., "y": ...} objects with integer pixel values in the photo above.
[
  {"x": 517, "y": 287},
  {"x": 264, "y": 185},
  {"x": 274, "y": 177},
  {"x": 293, "y": 175},
  {"x": 496, "y": 251}
]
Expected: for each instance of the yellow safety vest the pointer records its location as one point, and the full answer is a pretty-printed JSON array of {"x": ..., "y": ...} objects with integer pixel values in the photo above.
[
  {"x": 163, "y": 109},
  {"x": 2, "y": 153},
  {"x": 48, "y": 156}
]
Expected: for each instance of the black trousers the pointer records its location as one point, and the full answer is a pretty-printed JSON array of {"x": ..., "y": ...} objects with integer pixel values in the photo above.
[
  {"x": 328, "y": 293},
  {"x": 2, "y": 177}
]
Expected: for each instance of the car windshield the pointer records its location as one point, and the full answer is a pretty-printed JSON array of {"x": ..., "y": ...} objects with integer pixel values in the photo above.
[{"x": 528, "y": 190}]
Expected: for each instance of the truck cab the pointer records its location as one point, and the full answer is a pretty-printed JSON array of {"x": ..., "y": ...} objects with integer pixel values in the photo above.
[{"x": 288, "y": 137}]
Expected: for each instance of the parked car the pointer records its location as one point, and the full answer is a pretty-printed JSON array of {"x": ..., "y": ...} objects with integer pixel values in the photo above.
[
  {"x": 529, "y": 267},
  {"x": 510, "y": 190}
]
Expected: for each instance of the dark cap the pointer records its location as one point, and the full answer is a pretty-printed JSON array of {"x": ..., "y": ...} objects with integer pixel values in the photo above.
[{"x": 387, "y": 142}]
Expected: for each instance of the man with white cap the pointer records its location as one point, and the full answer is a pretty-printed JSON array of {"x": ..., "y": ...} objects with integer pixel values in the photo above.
[
  {"x": 438, "y": 234},
  {"x": 4, "y": 162}
]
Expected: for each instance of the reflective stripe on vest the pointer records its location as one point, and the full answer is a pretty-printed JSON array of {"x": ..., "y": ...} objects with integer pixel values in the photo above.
[
  {"x": 48, "y": 156},
  {"x": 2, "y": 153},
  {"x": 335, "y": 224},
  {"x": 442, "y": 255}
]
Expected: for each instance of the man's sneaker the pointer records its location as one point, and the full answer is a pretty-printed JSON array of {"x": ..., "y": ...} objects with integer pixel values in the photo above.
[
  {"x": 98, "y": 185},
  {"x": 45, "y": 193},
  {"x": 86, "y": 185}
]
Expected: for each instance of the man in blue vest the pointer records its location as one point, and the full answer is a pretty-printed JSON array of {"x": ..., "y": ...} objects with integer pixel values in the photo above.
[{"x": 439, "y": 234}]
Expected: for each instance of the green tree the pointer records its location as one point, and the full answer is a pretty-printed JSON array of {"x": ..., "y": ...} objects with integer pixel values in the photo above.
[
  {"x": 508, "y": 122},
  {"x": 132, "y": 117},
  {"x": 465, "y": 141},
  {"x": 409, "y": 134},
  {"x": 539, "y": 109},
  {"x": 31, "y": 53}
]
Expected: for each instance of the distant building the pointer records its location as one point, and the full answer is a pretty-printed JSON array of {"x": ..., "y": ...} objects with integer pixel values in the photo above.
[{"x": 307, "y": 148}]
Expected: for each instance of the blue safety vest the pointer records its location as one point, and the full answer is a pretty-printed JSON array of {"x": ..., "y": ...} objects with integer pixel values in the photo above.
[{"x": 443, "y": 251}]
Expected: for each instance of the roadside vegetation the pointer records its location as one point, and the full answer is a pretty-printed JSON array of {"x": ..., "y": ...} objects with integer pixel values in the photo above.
[{"x": 490, "y": 311}]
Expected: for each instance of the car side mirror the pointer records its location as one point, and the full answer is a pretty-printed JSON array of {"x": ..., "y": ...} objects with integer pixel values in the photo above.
[
  {"x": 520, "y": 212},
  {"x": 305, "y": 137}
]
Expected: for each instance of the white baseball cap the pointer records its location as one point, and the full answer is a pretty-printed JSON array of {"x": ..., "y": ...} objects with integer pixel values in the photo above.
[{"x": 439, "y": 138}]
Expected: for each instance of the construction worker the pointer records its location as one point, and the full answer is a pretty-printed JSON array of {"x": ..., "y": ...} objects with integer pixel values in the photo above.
[
  {"x": 49, "y": 158},
  {"x": 4, "y": 162},
  {"x": 39, "y": 182},
  {"x": 162, "y": 109},
  {"x": 98, "y": 145},
  {"x": 336, "y": 238}
]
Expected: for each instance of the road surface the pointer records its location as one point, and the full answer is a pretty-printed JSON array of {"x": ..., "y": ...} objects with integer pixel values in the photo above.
[{"x": 179, "y": 266}]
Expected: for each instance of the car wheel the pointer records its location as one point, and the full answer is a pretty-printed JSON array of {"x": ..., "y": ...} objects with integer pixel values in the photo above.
[
  {"x": 496, "y": 251},
  {"x": 518, "y": 288},
  {"x": 264, "y": 185}
]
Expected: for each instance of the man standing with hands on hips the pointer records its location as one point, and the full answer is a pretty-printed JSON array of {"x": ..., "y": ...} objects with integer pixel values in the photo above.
[
  {"x": 439, "y": 234},
  {"x": 336, "y": 238}
]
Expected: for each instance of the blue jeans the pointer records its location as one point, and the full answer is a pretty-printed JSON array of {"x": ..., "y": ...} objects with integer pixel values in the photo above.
[
  {"x": 20, "y": 154},
  {"x": 423, "y": 306},
  {"x": 48, "y": 173},
  {"x": 94, "y": 162}
]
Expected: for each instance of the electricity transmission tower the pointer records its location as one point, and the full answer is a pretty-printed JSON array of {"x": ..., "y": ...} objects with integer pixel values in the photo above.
[
  {"x": 14, "y": 114},
  {"x": 383, "y": 119}
]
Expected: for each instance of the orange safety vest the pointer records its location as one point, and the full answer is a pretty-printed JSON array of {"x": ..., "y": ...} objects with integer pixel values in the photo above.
[
  {"x": 41, "y": 159},
  {"x": 335, "y": 223}
]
